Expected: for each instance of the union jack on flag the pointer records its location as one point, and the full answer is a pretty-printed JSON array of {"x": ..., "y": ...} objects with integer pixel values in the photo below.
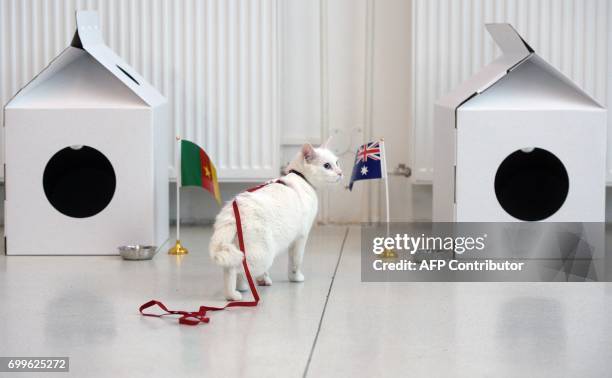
[{"x": 367, "y": 163}]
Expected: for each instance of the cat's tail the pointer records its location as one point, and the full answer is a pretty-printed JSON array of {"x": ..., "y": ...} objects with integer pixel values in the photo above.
[{"x": 222, "y": 249}]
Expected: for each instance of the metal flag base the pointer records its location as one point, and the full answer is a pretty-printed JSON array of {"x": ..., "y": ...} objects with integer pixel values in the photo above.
[
  {"x": 388, "y": 254},
  {"x": 178, "y": 249}
]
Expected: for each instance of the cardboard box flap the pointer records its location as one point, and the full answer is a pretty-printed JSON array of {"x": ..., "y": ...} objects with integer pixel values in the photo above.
[
  {"x": 88, "y": 31},
  {"x": 89, "y": 37},
  {"x": 508, "y": 40},
  {"x": 514, "y": 51}
]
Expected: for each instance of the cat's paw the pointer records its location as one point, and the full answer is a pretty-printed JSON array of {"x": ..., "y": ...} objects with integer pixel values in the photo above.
[
  {"x": 234, "y": 296},
  {"x": 264, "y": 281},
  {"x": 296, "y": 276}
]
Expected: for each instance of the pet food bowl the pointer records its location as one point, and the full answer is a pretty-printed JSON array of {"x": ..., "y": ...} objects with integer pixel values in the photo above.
[{"x": 137, "y": 252}]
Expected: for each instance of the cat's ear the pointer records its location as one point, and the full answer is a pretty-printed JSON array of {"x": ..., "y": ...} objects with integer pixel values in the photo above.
[
  {"x": 308, "y": 152},
  {"x": 326, "y": 144}
]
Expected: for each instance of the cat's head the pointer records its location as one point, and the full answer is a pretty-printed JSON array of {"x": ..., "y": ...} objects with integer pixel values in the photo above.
[{"x": 319, "y": 165}]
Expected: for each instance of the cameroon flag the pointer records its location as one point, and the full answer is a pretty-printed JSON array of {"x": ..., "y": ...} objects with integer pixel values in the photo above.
[{"x": 197, "y": 169}]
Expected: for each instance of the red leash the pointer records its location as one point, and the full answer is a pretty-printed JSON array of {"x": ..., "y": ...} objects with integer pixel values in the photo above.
[{"x": 197, "y": 317}]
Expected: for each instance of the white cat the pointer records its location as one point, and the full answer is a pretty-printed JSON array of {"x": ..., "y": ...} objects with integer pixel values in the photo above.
[{"x": 275, "y": 218}]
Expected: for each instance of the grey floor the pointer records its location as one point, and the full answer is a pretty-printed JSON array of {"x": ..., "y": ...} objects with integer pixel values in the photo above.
[{"x": 330, "y": 325}]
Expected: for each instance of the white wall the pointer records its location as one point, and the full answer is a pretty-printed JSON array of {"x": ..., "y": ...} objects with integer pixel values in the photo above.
[
  {"x": 300, "y": 67},
  {"x": 356, "y": 87}
]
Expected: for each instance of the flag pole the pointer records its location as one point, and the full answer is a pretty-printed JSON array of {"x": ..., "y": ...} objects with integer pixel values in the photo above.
[
  {"x": 387, "y": 253},
  {"x": 178, "y": 249},
  {"x": 177, "y": 158}
]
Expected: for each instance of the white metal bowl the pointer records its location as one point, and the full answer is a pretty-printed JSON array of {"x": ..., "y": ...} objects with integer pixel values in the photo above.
[{"x": 137, "y": 252}]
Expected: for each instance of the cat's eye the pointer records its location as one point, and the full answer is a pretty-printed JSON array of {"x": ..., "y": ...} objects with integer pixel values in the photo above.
[{"x": 327, "y": 166}]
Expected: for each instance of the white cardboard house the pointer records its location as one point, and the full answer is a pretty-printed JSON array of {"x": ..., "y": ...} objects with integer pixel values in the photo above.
[
  {"x": 87, "y": 155},
  {"x": 518, "y": 142}
]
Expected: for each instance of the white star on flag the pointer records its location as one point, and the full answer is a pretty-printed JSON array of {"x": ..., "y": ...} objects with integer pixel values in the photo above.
[{"x": 368, "y": 162}]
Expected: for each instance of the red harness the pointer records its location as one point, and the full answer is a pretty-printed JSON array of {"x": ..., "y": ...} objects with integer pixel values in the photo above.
[{"x": 197, "y": 317}]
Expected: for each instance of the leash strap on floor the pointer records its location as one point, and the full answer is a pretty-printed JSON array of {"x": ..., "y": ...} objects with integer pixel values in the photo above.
[{"x": 197, "y": 317}]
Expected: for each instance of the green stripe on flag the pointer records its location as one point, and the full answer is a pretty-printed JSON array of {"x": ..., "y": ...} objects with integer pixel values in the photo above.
[{"x": 191, "y": 166}]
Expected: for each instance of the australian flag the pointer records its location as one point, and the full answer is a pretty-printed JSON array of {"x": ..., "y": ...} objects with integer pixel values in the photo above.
[{"x": 367, "y": 163}]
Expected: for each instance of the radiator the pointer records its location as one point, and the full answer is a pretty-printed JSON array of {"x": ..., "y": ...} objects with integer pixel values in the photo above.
[
  {"x": 216, "y": 61},
  {"x": 450, "y": 44}
]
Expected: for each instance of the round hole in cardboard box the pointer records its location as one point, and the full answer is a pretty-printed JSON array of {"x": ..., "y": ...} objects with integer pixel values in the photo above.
[
  {"x": 531, "y": 184},
  {"x": 79, "y": 181}
]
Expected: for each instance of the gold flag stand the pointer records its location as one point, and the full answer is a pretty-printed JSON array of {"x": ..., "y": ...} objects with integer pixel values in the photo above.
[
  {"x": 388, "y": 254},
  {"x": 178, "y": 249}
]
